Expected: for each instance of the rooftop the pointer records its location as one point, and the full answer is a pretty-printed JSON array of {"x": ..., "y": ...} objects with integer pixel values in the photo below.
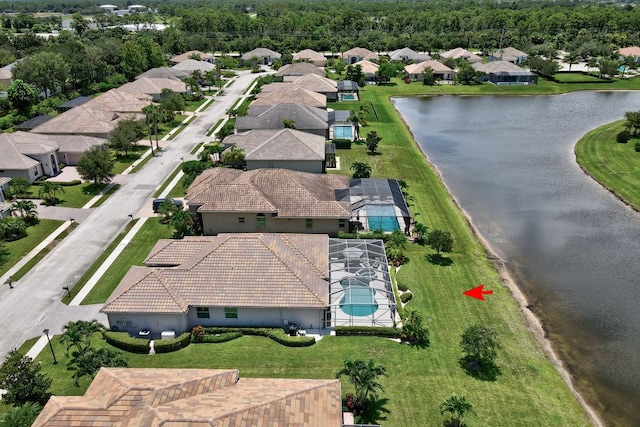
[{"x": 279, "y": 144}]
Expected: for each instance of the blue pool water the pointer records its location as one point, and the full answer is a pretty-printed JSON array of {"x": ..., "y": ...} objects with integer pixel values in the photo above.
[
  {"x": 348, "y": 97},
  {"x": 382, "y": 217},
  {"x": 359, "y": 301},
  {"x": 342, "y": 132}
]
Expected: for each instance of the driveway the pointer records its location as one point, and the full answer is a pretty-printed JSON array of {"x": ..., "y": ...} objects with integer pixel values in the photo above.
[{"x": 25, "y": 310}]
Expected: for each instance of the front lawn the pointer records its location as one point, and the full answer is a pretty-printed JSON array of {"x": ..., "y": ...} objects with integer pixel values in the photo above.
[
  {"x": 123, "y": 161},
  {"x": 74, "y": 196},
  {"x": 14, "y": 251}
]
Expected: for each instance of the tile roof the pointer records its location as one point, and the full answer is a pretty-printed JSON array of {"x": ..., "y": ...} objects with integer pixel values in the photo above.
[
  {"x": 291, "y": 94},
  {"x": 164, "y": 72},
  {"x": 195, "y": 397},
  {"x": 152, "y": 86},
  {"x": 461, "y": 53},
  {"x": 77, "y": 143},
  {"x": 290, "y": 194},
  {"x": 314, "y": 82},
  {"x": 282, "y": 144},
  {"x": 408, "y": 53},
  {"x": 630, "y": 51},
  {"x": 229, "y": 270},
  {"x": 307, "y": 54},
  {"x": 368, "y": 67},
  {"x": 420, "y": 67},
  {"x": 344, "y": 85},
  {"x": 30, "y": 144},
  {"x": 509, "y": 54},
  {"x": 34, "y": 122},
  {"x": 299, "y": 69},
  {"x": 11, "y": 158},
  {"x": 359, "y": 51},
  {"x": 84, "y": 120},
  {"x": 121, "y": 102},
  {"x": 187, "y": 55},
  {"x": 506, "y": 67},
  {"x": 190, "y": 65},
  {"x": 271, "y": 117},
  {"x": 260, "y": 53}
]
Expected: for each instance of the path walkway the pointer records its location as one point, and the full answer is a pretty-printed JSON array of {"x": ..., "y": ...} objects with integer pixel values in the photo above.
[{"x": 34, "y": 303}]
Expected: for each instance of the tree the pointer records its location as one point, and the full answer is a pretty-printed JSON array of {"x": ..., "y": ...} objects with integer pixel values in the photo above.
[
  {"x": 361, "y": 170},
  {"x": 12, "y": 229},
  {"x": 96, "y": 164},
  {"x": 428, "y": 77},
  {"x": 22, "y": 96},
  {"x": 125, "y": 134},
  {"x": 632, "y": 121},
  {"x": 45, "y": 70},
  {"x": 166, "y": 210},
  {"x": 48, "y": 192},
  {"x": 182, "y": 223},
  {"x": 456, "y": 406},
  {"x": 421, "y": 232},
  {"x": 210, "y": 78},
  {"x": 78, "y": 334},
  {"x": 479, "y": 345},
  {"x": 364, "y": 376},
  {"x": 19, "y": 187},
  {"x": 89, "y": 362},
  {"x": 386, "y": 72},
  {"x": 355, "y": 74},
  {"x": 572, "y": 58},
  {"x": 467, "y": 75},
  {"x": 440, "y": 241},
  {"x": 608, "y": 67},
  {"x": 22, "y": 379},
  {"x": 372, "y": 140},
  {"x": 21, "y": 416},
  {"x": 192, "y": 86},
  {"x": 80, "y": 25},
  {"x": 134, "y": 60},
  {"x": 623, "y": 137},
  {"x": 233, "y": 157},
  {"x": 27, "y": 210},
  {"x": 413, "y": 329}
]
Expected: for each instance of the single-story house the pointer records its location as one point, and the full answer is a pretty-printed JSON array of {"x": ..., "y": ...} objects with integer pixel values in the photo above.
[
  {"x": 281, "y": 148},
  {"x": 408, "y": 55},
  {"x": 79, "y": 100},
  {"x": 369, "y": 69},
  {"x": 6, "y": 76},
  {"x": 311, "y": 56},
  {"x": 312, "y": 82},
  {"x": 358, "y": 54},
  {"x": 306, "y": 119},
  {"x": 147, "y": 397},
  {"x": 348, "y": 90},
  {"x": 190, "y": 65},
  {"x": 268, "y": 200},
  {"x": 5, "y": 207},
  {"x": 298, "y": 69},
  {"x": 630, "y": 51},
  {"x": 291, "y": 94},
  {"x": 509, "y": 54},
  {"x": 266, "y": 55},
  {"x": 73, "y": 147},
  {"x": 506, "y": 73},
  {"x": 33, "y": 123},
  {"x": 164, "y": 73},
  {"x": 208, "y": 57},
  {"x": 461, "y": 53},
  {"x": 153, "y": 87},
  {"x": 440, "y": 71}
]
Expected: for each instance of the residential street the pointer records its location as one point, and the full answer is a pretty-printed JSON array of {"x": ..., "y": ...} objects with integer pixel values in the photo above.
[{"x": 34, "y": 303}]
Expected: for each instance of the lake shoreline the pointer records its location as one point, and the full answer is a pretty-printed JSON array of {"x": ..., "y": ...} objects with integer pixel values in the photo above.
[{"x": 531, "y": 320}]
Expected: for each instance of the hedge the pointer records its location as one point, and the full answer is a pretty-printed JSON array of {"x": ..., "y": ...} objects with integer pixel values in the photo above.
[
  {"x": 344, "y": 144},
  {"x": 406, "y": 297},
  {"x": 126, "y": 342},
  {"x": 377, "y": 331},
  {"x": 219, "y": 338},
  {"x": 175, "y": 344},
  {"x": 278, "y": 335},
  {"x": 402, "y": 287}
]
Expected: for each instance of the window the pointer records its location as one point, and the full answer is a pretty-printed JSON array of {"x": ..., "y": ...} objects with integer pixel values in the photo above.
[
  {"x": 35, "y": 172},
  {"x": 309, "y": 222},
  {"x": 241, "y": 220},
  {"x": 261, "y": 221},
  {"x": 202, "y": 312},
  {"x": 342, "y": 223},
  {"x": 230, "y": 313}
]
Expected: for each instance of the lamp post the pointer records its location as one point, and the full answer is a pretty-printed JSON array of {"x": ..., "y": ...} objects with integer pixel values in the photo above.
[
  {"x": 46, "y": 332},
  {"x": 66, "y": 288}
]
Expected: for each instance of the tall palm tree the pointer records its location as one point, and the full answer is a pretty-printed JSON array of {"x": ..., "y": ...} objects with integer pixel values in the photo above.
[
  {"x": 149, "y": 118},
  {"x": 27, "y": 210},
  {"x": 78, "y": 334},
  {"x": 457, "y": 406},
  {"x": 233, "y": 157},
  {"x": 364, "y": 376}
]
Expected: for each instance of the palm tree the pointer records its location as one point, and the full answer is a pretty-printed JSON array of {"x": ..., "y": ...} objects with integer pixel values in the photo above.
[
  {"x": 233, "y": 157},
  {"x": 48, "y": 192},
  {"x": 457, "y": 406},
  {"x": 27, "y": 210},
  {"x": 21, "y": 416},
  {"x": 632, "y": 121},
  {"x": 78, "y": 334},
  {"x": 364, "y": 376},
  {"x": 413, "y": 329},
  {"x": 210, "y": 77},
  {"x": 361, "y": 170},
  {"x": 149, "y": 118},
  {"x": 89, "y": 362},
  {"x": 182, "y": 223},
  {"x": 191, "y": 85}
]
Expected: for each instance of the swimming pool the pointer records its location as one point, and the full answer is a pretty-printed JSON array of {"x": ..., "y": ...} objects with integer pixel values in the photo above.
[
  {"x": 342, "y": 132},
  {"x": 359, "y": 301},
  {"x": 348, "y": 97},
  {"x": 382, "y": 217}
]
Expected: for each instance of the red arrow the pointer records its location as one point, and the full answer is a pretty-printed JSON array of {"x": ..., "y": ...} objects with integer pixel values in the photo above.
[{"x": 477, "y": 293}]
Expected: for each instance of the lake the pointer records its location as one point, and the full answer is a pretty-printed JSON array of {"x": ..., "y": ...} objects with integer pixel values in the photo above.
[{"x": 572, "y": 247}]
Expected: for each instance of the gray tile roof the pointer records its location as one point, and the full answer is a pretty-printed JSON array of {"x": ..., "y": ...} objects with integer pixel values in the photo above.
[
  {"x": 360, "y": 52},
  {"x": 299, "y": 69},
  {"x": 261, "y": 52},
  {"x": 164, "y": 72},
  {"x": 153, "y": 86},
  {"x": 271, "y": 117},
  {"x": 288, "y": 94},
  {"x": 187, "y": 55},
  {"x": 11, "y": 158},
  {"x": 230, "y": 270},
  {"x": 432, "y": 63},
  {"x": 509, "y": 54},
  {"x": 314, "y": 82},
  {"x": 289, "y": 194},
  {"x": 408, "y": 54},
  {"x": 279, "y": 144},
  {"x": 190, "y": 65},
  {"x": 501, "y": 67},
  {"x": 459, "y": 52}
]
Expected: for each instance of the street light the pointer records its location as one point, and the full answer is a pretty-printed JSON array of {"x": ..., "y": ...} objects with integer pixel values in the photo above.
[
  {"x": 46, "y": 332},
  {"x": 130, "y": 216},
  {"x": 182, "y": 159},
  {"x": 66, "y": 288}
]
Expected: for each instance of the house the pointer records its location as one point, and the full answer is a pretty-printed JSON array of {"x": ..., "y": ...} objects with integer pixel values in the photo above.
[
  {"x": 153, "y": 87},
  {"x": 73, "y": 147},
  {"x": 306, "y": 119},
  {"x": 312, "y": 82},
  {"x": 509, "y": 54},
  {"x": 190, "y": 65},
  {"x": 108, "y": 7},
  {"x": 506, "y": 73},
  {"x": 358, "y": 54},
  {"x": 369, "y": 69},
  {"x": 79, "y": 100},
  {"x": 348, "y": 90},
  {"x": 6, "y": 76},
  {"x": 255, "y": 279},
  {"x": 164, "y": 73},
  {"x": 5, "y": 207},
  {"x": 440, "y": 71},
  {"x": 460, "y": 53},
  {"x": 266, "y": 55},
  {"x": 268, "y": 200},
  {"x": 281, "y": 148},
  {"x": 311, "y": 56},
  {"x": 290, "y": 94},
  {"x": 630, "y": 51},
  {"x": 147, "y": 397},
  {"x": 192, "y": 54},
  {"x": 32, "y": 123},
  {"x": 408, "y": 55},
  {"x": 298, "y": 69}
]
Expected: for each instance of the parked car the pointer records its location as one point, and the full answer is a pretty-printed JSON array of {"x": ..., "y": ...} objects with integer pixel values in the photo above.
[{"x": 157, "y": 202}]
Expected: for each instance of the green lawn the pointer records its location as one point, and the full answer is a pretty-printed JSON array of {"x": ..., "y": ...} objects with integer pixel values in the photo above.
[
  {"x": 124, "y": 161},
  {"x": 614, "y": 165},
  {"x": 193, "y": 105},
  {"x": 74, "y": 196},
  {"x": 14, "y": 251},
  {"x": 576, "y": 77},
  {"x": 133, "y": 254}
]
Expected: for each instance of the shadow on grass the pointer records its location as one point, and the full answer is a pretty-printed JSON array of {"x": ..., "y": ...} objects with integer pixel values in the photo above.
[
  {"x": 93, "y": 189},
  {"x": 440, "y": 260},
  {"x": 480, "y": 370},
  {"x": 377, "y": 153},
  {"x": 420, "y": 345},
  {"x": 375, "y": 411}
]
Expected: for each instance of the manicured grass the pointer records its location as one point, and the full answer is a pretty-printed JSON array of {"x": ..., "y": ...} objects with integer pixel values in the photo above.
[
  {"x": 614, "y": 165},
  {"x": 214, "y": 127},
  {"x": 192, "y": 118},
  {"x": 134, "y": 254},
  {"x": 106, "y": 196},
  {"x": 123, "y": 161},
  {"x": 197, "y": 147},
  {"x": 167, "y": 181},
  {"x": 193, "y": 105},
  {"x": 74, "y": 196},
  {"x": 14, "y": 251},
  {"x": 578, "y": 77},
  {"x": 165, "y": 128}
]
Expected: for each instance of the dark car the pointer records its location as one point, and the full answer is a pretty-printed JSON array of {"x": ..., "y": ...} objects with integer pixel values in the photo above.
[{"x": 157, "y": 202}]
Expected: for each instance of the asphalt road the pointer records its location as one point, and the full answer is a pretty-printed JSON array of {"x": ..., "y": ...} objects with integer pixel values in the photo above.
[{"x": 34, "y": 303}]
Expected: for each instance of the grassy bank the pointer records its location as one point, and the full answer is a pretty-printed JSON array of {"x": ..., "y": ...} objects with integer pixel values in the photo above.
[
  {"x": 14, "y": 251},
  {"x": 616, "y": 166}
]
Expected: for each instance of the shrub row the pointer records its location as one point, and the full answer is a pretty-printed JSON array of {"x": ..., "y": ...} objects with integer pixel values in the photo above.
[
  {"x": 278, "y": 335},
  {"x": 219, "y": 338},
  {"x": 167, "y": 346},
  {"x": 126, "y": 342},
  {"x": 406, "y": 297},
  {"x": 344, "y": 144},
  {"x": 62, "y": 183},
  {"x": 402, "y": 287},
  {"x": 377, "y": 331}
]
